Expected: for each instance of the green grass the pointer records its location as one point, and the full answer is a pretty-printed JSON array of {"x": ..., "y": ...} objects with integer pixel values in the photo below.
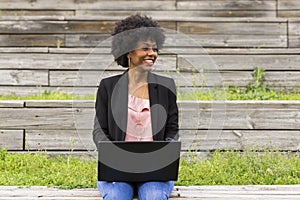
[
  {"x": 47, "y": 95},
  {"x": 236, "y": 168},
  {"x": 231, "y": 93},
  {"x": 226, "y": 168}
]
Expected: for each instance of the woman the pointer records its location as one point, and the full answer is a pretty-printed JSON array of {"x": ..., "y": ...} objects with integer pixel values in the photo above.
[{"x": 136, "y": 105}]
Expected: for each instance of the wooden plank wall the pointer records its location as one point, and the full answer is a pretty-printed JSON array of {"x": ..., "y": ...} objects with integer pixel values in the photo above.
[
  {"x": 62, "y": 45},
  {"x": 205, "y": 125},
  {"x": 44, "y": 45}
]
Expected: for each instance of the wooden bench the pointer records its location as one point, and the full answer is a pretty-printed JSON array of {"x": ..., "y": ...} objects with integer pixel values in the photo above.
[
  {"x": 265, "y": 192},
  {"x": 204, "y": 125}
]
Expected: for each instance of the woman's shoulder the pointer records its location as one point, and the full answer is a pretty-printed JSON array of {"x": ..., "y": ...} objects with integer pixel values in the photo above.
[
  {"x": 111, "y": 79},
  {"x": 163, "y": 79}
]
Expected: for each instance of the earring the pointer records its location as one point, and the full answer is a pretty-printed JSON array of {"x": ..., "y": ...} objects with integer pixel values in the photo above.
[{"x": 128, "y": 61}]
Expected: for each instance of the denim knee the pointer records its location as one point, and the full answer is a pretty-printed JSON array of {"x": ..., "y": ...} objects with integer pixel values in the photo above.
[{"x": 153, "y": 195}]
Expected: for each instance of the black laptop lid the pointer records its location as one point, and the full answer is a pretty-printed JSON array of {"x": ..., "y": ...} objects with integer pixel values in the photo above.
[{"x": 138, "y": 161}]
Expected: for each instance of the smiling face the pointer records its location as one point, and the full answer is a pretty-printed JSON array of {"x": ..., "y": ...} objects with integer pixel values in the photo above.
[{"x": 144, "y": 56}]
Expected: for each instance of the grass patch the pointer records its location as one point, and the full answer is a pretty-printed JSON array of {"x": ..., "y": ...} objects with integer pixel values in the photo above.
[
  {"x": 48, "y": 95},
  {"x": 222, "y": 168},
  {"x": 241, "y": 168}
]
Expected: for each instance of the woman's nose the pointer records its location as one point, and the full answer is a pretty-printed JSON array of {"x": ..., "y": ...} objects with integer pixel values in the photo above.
[{"x": 152, "y": 51}]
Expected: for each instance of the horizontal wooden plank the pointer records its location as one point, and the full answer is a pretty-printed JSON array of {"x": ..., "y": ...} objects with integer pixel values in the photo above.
[
  {"x": 59, "y": 140},
  {"x": 239, "y": 139},
  {"x": 239, "y": 62},
  {"x": 32, "y": 18},
  {"x": 226, "y": 5},
  {"x": 34, "y": 27},
  {"x": 294, "y": 41},
  {"x": 23, "y": 77},
  {"x": 223, "y": 40},
  {"x": 29, "y": 90},
  {"x": 294, "y": 27},
  {"x": 177, "y": 51},
  {"x": 183, "y": 104},
  {"x": 289, "y": 13},
  {"x": 11, "y": 104},
  {"x": 23, "y": 50},
  {"x": 243, "y": 41},
  {"x": 11, "y": 139},
  {"x": 182, "y": 79},
  {"x": 31, "y": 40},
  {"x": 200, "y": 140},
  {"x": 236, "y": 28},
  {"x": 179, "y": 192},
  {"x": 173, "y": 15},
  {"x": 268, "y": 59},
  {"x": 105, "y": 5},
  {"x": 41, "y": 118},
  {"x": 59, "y": 103},
  {"x": 193, "y": 117},
  {"x": 86, "y": 40},
  {"x": 288, "y": 5},
  {"x": 36, "y": 13}
]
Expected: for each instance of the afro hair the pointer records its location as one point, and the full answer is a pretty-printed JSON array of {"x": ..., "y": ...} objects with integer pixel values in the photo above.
[{"x": 129, "y": 31}]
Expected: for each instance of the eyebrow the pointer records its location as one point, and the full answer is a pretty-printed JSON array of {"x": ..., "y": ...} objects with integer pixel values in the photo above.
[{"x": 150, "y": 44}]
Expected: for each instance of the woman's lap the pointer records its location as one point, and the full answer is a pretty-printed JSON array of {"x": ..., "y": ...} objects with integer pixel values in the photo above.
[{"x": 146, "y": 190}]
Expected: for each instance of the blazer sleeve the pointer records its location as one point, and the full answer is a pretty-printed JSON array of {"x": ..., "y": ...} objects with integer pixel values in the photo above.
[
  {"x": 100, "y": 131},
  {"x": 171, "y": 131}
]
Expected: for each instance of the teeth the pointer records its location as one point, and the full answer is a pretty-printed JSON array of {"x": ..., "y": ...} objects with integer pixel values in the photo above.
[{"x": 149, "y": 61}]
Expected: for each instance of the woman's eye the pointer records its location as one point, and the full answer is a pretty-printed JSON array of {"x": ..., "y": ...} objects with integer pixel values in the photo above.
[{"x": 147, "y": 49}]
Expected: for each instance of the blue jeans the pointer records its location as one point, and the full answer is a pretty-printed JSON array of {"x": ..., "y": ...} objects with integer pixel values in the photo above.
[{"x": 144, "y": 191}]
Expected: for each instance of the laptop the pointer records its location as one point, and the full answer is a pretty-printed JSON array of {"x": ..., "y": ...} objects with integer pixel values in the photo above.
[{"x": 138, "y": 161}]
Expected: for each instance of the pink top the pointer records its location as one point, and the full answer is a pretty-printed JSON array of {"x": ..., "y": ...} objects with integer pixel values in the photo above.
[{"x": 139, "y": 120}]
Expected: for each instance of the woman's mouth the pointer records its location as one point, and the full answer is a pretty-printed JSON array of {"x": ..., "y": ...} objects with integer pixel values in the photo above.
[{"x": 149, "y": 62}]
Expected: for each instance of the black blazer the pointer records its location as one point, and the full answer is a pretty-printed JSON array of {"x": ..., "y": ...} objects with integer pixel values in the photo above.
[{"x": 112, "y": 108}]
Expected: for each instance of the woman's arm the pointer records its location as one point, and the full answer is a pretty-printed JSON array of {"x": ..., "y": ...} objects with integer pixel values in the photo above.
[
  {"x": 171, "y": 130},
  {"x": 100, "y": 131}
]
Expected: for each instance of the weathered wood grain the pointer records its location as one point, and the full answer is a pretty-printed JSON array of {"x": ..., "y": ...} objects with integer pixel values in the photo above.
[
  {"x": 219, "y": 40},
  {"x": 32, "y": 40},
  {"x": 11, "y": 139},
  {"x": 208, "y": 77},
  {"x": 192, "y": 117},
  {"x": 288, "y": 5},
  {"x": 289, "y": 13},
  {"x": 179, "y": 192},
  {"x": 226, "y": 5},
  {"x": 23, "y": 50},
  {"x": 35, "y": 13},
  {"x": 235, "y": 28},
  {"x": 72, "y": 5},
  {"x": 294, "y": 41},
  {"x": 23, "y": 77},
  {"x": 59, "y": 140},
  {"x": 173, "y": 15},
  {"x": 11, "y": 104},
  {"x": 28, "y": 90},
  {"x": 294, "y": 29},
  {"x": 90, "y": 60},
  {"x": 240, "y": 62},
  {"x": 200, "y": 140}
]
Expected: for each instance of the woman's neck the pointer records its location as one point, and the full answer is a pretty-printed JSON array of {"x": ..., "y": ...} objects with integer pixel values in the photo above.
[
  {"x": 137, "y": 85},
  {"x": 137, "y": 77}
]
